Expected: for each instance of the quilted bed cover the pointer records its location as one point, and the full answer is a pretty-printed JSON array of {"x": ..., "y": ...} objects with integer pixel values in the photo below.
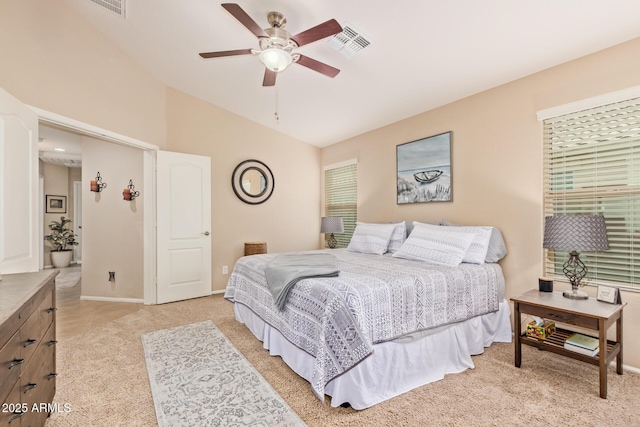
[{"x": 375, "y": 298}]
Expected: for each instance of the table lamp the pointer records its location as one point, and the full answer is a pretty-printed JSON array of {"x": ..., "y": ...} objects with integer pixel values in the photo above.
[
  {"x": 332, "y": 224},
  {"x": 575, "y": 233}
]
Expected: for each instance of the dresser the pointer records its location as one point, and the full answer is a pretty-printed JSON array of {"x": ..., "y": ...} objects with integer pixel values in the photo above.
[{"x": 27, "y": 348}]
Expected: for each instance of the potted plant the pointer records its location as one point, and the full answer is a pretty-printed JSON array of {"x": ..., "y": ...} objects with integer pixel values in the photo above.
[{"x": 61, "y": 236}]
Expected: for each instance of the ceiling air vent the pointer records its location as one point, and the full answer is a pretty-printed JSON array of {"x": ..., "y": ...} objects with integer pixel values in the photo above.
[
  {"x": 350, "y": 42},
  {"x": 69, "y": 160},
  {"x": 115, "y": 6}
]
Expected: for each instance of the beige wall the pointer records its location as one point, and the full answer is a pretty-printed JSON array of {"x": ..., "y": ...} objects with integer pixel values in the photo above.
[
  {"x": 54, "y": 60},
  {"x": 56, "y": 183},
  {"x": 288, "y": 221},
  {"x": 497, "y": 162},
  {"x": 112, "y": 228}
]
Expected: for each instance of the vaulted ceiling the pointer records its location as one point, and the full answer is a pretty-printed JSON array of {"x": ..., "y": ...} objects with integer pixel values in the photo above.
[{"x": 424, "y": 54}]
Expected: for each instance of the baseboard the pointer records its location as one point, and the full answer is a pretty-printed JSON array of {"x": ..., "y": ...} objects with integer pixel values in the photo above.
[
  {"x": 109, "y": 299},
  {"x": 217, "y": 292},
  {"x": 629, "y": 368}
]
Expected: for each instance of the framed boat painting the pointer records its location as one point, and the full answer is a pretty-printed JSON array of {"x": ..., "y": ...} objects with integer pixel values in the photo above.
[{"x": 424, "y": 170}]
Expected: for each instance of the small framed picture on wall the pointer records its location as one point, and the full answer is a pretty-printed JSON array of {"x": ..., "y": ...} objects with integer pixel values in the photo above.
[{"x": 55, "y": 204}]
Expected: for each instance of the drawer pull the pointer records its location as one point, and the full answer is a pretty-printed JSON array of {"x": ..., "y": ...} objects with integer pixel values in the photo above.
[
  {"x": 15, "y": 416},
  {"x": 27, "y": 343},
  {"x": 51, "y": 376},
  {"x": 52, "y": 342},
  {"x": 30, "y": 386},
  {"x": 52, "y": 309},
  {"x": 16, "y": 362}
]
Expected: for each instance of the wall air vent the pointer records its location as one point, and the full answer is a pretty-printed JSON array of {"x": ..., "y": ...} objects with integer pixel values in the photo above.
[
  {"x": 115, "y": 6},
  {"x": 350, "y": 42}
]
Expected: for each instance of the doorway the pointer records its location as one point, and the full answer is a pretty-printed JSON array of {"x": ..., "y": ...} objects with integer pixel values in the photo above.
[{"x": 147, "y": 204}]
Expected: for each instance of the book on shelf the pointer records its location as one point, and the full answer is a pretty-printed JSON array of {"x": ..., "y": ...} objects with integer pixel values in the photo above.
[
  {"x": 582, "y": 350},
  {"x": 583, "y": 344},
  {"x": 584, "y": 341}
]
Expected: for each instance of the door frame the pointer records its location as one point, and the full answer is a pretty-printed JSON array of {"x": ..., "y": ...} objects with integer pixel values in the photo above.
[
  {"x": 77, "y": 220},
  {"x": 149, "y": 183}
]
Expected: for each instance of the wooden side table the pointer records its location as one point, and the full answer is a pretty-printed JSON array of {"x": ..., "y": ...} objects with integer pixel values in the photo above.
[{"x": 590, "y": 314}]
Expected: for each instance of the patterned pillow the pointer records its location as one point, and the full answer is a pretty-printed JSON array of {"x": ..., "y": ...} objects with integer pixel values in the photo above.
[
  {"x": 436, "y": 245},
  {"x": 371, "y": 238},
  {"x": 397, "y": 237},
  {"x": 477, "y": 252}
]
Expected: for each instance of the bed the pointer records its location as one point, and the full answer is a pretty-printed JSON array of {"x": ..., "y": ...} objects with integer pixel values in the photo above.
[{"x": 384, "y": 326}]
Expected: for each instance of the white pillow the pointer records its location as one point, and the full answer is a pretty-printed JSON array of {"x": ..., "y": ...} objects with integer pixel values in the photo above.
[
  {"x": 477, "y": 252},
  {"x": 371, "y": 238},
  {"x": 436, "y": 245},
  {"x": 497, "y": 248},
  {"x": 397, "y": 237}
]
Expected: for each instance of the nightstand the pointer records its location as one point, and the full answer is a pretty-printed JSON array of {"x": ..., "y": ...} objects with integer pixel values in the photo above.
[{"x": 590, "y": 314}]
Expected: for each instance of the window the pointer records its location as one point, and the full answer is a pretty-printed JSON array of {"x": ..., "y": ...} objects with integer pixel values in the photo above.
[
  {"x": 592, "y": 166},
  {"x": 341, "y": 197}
]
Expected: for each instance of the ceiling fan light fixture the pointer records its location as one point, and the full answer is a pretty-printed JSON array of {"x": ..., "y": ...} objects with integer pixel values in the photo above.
[{"x": 276, "y": 59}]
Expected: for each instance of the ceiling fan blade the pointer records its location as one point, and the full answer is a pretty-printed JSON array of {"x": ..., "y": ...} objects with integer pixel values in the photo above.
[
  {"x": 318, "y": 66},
  {"x": 269, "y": 77},
  {"x": 244, "y": 19},
  {"x": 226, "y": 53},
  {"x": 318, "y": 32}
]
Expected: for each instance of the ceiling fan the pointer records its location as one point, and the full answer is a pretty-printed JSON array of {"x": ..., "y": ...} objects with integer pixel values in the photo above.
[{"x": 277, "y": 45}]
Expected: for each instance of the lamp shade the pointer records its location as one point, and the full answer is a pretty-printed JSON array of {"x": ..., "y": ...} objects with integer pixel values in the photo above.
[
  {"x": 575, "y": 233},
  {"x": 275, "y": 59},
  {"x": 331, "y": 224}
]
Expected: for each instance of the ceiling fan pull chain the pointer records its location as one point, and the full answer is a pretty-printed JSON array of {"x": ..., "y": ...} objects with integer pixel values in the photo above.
[{"x": 275, "y": 113}]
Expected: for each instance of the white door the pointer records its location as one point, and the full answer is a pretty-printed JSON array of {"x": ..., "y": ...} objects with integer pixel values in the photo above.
[
  {"x": 184, "y": 226},
  {"x": 19, "y": 187}
]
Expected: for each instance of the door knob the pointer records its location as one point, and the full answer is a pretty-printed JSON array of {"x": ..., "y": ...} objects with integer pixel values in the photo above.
[{"x": 206, "y": 233}]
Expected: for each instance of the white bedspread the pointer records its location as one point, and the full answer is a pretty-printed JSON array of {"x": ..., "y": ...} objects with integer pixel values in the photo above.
[{"x": 375, "y": 299}]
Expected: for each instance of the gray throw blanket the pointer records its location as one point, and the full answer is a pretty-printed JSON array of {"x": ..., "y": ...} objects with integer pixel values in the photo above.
[{"x": 286, "y": 270}]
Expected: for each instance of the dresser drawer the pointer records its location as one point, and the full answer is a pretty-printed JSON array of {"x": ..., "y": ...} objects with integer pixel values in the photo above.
[
  {"x": 39, "y": 379},
  {"x": 32, "y": 332},
  {"x": 10, "y": 364},
  {"x": 12, "y": 408}
]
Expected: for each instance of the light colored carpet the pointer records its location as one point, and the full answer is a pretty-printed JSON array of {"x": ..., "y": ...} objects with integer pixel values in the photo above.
[
  {"x": 197, "y": 377},
  {"x": 102, "y": 375}
]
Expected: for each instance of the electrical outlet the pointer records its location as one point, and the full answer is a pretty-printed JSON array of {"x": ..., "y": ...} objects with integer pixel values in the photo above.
[{"x": 225, "y": 269}]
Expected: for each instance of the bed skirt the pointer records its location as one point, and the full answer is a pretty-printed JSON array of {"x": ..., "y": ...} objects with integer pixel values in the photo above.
[{"x": 397, "y": 366}]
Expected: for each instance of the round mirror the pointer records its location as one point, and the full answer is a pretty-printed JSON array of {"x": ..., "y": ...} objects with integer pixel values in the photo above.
[{"x": 252, "y": 181}]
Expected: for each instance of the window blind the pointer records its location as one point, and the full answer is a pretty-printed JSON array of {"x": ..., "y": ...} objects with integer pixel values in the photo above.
[
  {"x": 592, "y": 166},
  {"x": 341, "y": 199}
]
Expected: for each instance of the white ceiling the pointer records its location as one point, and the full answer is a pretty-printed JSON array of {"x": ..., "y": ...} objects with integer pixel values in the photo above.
[
  {"x": 59, "y": 147},
  {"x": 427, "y": 53}
]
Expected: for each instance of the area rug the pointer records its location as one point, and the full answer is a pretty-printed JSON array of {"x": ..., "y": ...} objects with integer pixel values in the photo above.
[
  {"x": 67, "y": 279},
  {"x": 199, "y": 378}
]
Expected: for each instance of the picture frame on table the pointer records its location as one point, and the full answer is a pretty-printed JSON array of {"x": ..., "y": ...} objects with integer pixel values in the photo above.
[
  {"x": 423, "y": 170},
  {"x": 609, "y": 294},
  {"x": 55, "y": 204}
]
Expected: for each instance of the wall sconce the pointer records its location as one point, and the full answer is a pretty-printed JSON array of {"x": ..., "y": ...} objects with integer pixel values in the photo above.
[
  {"x": 130, "y": 192},
  {"x": 97, "y": 185}
]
